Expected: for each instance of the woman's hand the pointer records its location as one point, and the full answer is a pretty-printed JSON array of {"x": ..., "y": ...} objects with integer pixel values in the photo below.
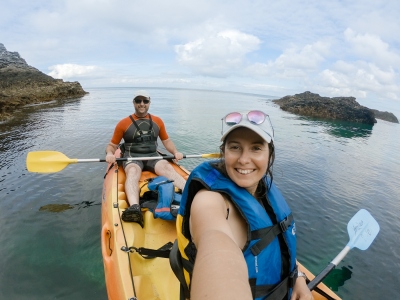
[{"x": 301, "y": 291}]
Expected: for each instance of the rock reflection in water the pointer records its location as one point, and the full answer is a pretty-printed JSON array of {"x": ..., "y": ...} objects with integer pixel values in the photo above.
[{"x": 62, "y": 207}]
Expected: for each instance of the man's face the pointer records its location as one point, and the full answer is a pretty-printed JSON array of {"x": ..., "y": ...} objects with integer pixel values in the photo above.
[{"x": 142, "y": 105}]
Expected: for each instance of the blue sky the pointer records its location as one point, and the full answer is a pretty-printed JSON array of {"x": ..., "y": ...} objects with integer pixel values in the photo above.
[{"x": 279, "y": 48}]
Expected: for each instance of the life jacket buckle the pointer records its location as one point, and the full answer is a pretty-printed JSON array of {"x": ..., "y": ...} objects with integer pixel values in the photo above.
[{"x": 283, "y": 224}]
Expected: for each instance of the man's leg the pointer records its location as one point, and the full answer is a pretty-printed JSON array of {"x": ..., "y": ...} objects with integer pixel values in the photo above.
[
  {"x": 163, "y": 168},
  {"x": 133, "y": 213},
  {"x": 133, "y": 172}
]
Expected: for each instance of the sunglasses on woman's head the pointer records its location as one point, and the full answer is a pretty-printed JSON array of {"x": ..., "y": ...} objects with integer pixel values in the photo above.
[
  {"x": 145, "y": 101},
  {"x": 255, "y": 117}
]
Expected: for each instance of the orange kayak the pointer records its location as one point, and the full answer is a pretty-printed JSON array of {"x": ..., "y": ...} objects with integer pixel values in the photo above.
[{"x": 128, "y": 274}]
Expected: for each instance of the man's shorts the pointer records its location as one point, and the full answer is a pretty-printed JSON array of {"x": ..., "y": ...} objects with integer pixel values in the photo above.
[{"x": 145, "y": 165}]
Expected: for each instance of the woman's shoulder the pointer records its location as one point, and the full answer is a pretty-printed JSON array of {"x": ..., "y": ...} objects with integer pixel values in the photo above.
[{"x": 206, "y": 201}]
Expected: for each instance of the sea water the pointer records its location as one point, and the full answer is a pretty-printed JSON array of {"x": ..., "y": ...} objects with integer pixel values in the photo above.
[{"x": 326, "y": 170}]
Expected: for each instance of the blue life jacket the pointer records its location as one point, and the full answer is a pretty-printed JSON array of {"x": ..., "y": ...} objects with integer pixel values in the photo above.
[
  {"x": 265, "y": 259},
  {"x": 167, "y": 202}
]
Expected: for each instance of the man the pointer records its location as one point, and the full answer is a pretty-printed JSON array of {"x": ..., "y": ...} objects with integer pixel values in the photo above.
[{"x": 140, "y": 132}]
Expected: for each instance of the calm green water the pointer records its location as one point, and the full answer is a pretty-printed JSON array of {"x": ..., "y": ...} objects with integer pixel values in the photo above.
[{"x": 326, "y": 170}]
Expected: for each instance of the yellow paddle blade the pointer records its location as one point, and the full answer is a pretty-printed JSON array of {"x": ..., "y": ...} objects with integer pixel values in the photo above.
[
  {"x": 210, "y": 155},
  {"x": 47, "y": 161}
]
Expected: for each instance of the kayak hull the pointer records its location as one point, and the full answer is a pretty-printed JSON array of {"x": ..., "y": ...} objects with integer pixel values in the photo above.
[{"x": 127, "y": 273}]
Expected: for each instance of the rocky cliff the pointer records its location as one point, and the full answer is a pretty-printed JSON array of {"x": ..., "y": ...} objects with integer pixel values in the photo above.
[
  {"x": 336, "y": 108},
  {"x": 21, "y": 84}
]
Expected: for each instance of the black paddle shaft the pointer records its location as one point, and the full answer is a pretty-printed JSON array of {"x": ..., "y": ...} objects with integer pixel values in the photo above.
[{"x": 313, "y": 283}]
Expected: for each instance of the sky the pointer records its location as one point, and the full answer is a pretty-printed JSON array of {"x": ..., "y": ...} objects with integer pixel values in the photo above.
[{"x": 333, "y": 48}]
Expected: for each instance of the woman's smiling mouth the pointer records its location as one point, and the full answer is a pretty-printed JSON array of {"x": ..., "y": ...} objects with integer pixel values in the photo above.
[{"x": 244, "y": 172}]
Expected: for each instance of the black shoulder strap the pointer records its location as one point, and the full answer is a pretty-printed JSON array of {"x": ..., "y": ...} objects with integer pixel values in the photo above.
[
  {"x": 267, "y": 235},
  {"x": 136, "y": 125}
]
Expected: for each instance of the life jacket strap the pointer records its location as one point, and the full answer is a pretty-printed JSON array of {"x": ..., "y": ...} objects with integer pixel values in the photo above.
[
  {"x": 136, "y": 125},
  {"x": 274, "y": 292},
  {"x": 177, "y": 265},
  {"x": 268, "y": 234}
]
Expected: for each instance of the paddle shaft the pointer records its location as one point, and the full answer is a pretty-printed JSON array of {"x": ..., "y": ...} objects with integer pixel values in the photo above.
[
  {"x": 321, "y": 276},
  {"x": 136, "y": 158}
]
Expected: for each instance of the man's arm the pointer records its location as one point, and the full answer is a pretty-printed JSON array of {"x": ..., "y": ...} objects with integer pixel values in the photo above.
[
  {"x": 110, "y": 150},
  {"x": 170, "y": 146}
]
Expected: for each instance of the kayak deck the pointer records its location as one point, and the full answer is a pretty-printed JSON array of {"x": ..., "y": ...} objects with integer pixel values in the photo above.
[{"x": 127, "y": 273}]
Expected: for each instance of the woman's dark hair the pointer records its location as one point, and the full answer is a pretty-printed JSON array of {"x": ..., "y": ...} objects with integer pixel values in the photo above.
[{"x": 220, "y": 164}]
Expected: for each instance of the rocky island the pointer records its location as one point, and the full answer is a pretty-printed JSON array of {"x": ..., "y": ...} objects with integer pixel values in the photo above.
[
  {"x": 22, "y": 84},
  {"x": 336, "y": 108}
]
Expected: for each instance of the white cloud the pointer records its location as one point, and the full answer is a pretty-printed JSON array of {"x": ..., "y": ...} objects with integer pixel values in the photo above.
[
  {"x": 371, "y": 47},
  {"x": 218, "y": 54},
  {"x": 369, "y": 68},
  {"x": 66, "y": 71},
  {"x": 293, "y": 62},
  {"x": 360, "y": 79}
]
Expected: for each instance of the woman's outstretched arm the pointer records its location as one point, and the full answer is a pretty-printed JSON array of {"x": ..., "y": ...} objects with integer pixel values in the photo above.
[{"x": 220, "y": 271}]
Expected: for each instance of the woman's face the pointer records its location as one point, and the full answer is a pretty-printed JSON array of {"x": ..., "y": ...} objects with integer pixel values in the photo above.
[{"x": 246, "y": 158}]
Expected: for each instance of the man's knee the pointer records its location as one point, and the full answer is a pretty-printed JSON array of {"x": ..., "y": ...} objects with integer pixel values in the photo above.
[
  {"x": 163, "y": 166},
  {"x": 133, "y": 170}
]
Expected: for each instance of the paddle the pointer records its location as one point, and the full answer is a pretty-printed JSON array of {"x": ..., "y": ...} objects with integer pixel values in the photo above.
[
  {"x": 54, "y": 161},
  {"x": 362, "y": 230}
]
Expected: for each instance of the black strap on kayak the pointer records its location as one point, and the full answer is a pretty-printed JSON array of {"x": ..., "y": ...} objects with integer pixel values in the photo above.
[
  {"x": 268, "y": 234},
  {"x": 148, "y": 253},
  {"x": 111, "y": 166},
  {"x": 321, "y": 292}
]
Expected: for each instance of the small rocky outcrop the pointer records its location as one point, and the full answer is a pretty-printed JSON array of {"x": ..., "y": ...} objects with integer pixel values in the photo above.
[
  {"x": 385, "y": 115},
  {"x": 336, "y": 108},
  {"x": 22, "y": 84}
]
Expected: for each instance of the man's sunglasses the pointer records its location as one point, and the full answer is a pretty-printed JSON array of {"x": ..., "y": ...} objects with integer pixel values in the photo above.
[{"x": 145, "y": 101}]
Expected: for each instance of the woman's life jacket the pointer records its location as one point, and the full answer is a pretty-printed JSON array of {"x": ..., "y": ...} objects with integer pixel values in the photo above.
[
  {"x": 143, "y": 140},
  {"x": 270, "y": 259}
]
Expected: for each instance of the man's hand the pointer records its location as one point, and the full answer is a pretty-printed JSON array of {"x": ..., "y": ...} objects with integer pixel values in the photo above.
[
  {"x": 178, "y": 155},
  {"x": 110, "y": 158}
]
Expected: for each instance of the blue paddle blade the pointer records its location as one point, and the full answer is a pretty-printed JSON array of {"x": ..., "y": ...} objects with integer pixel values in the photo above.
[{"x": 362, "y": 229}]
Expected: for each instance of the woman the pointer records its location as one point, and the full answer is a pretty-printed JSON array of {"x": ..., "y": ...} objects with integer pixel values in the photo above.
[{"x": 235, "y": 224}]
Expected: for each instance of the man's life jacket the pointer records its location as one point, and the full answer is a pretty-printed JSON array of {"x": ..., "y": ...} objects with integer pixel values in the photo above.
[
  {"x": 271, "y": 261},
  {"x": 144, "y": 140}
]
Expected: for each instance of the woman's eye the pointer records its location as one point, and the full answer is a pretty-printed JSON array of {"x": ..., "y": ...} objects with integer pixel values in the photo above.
[{"x": 233, "y": 147}]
